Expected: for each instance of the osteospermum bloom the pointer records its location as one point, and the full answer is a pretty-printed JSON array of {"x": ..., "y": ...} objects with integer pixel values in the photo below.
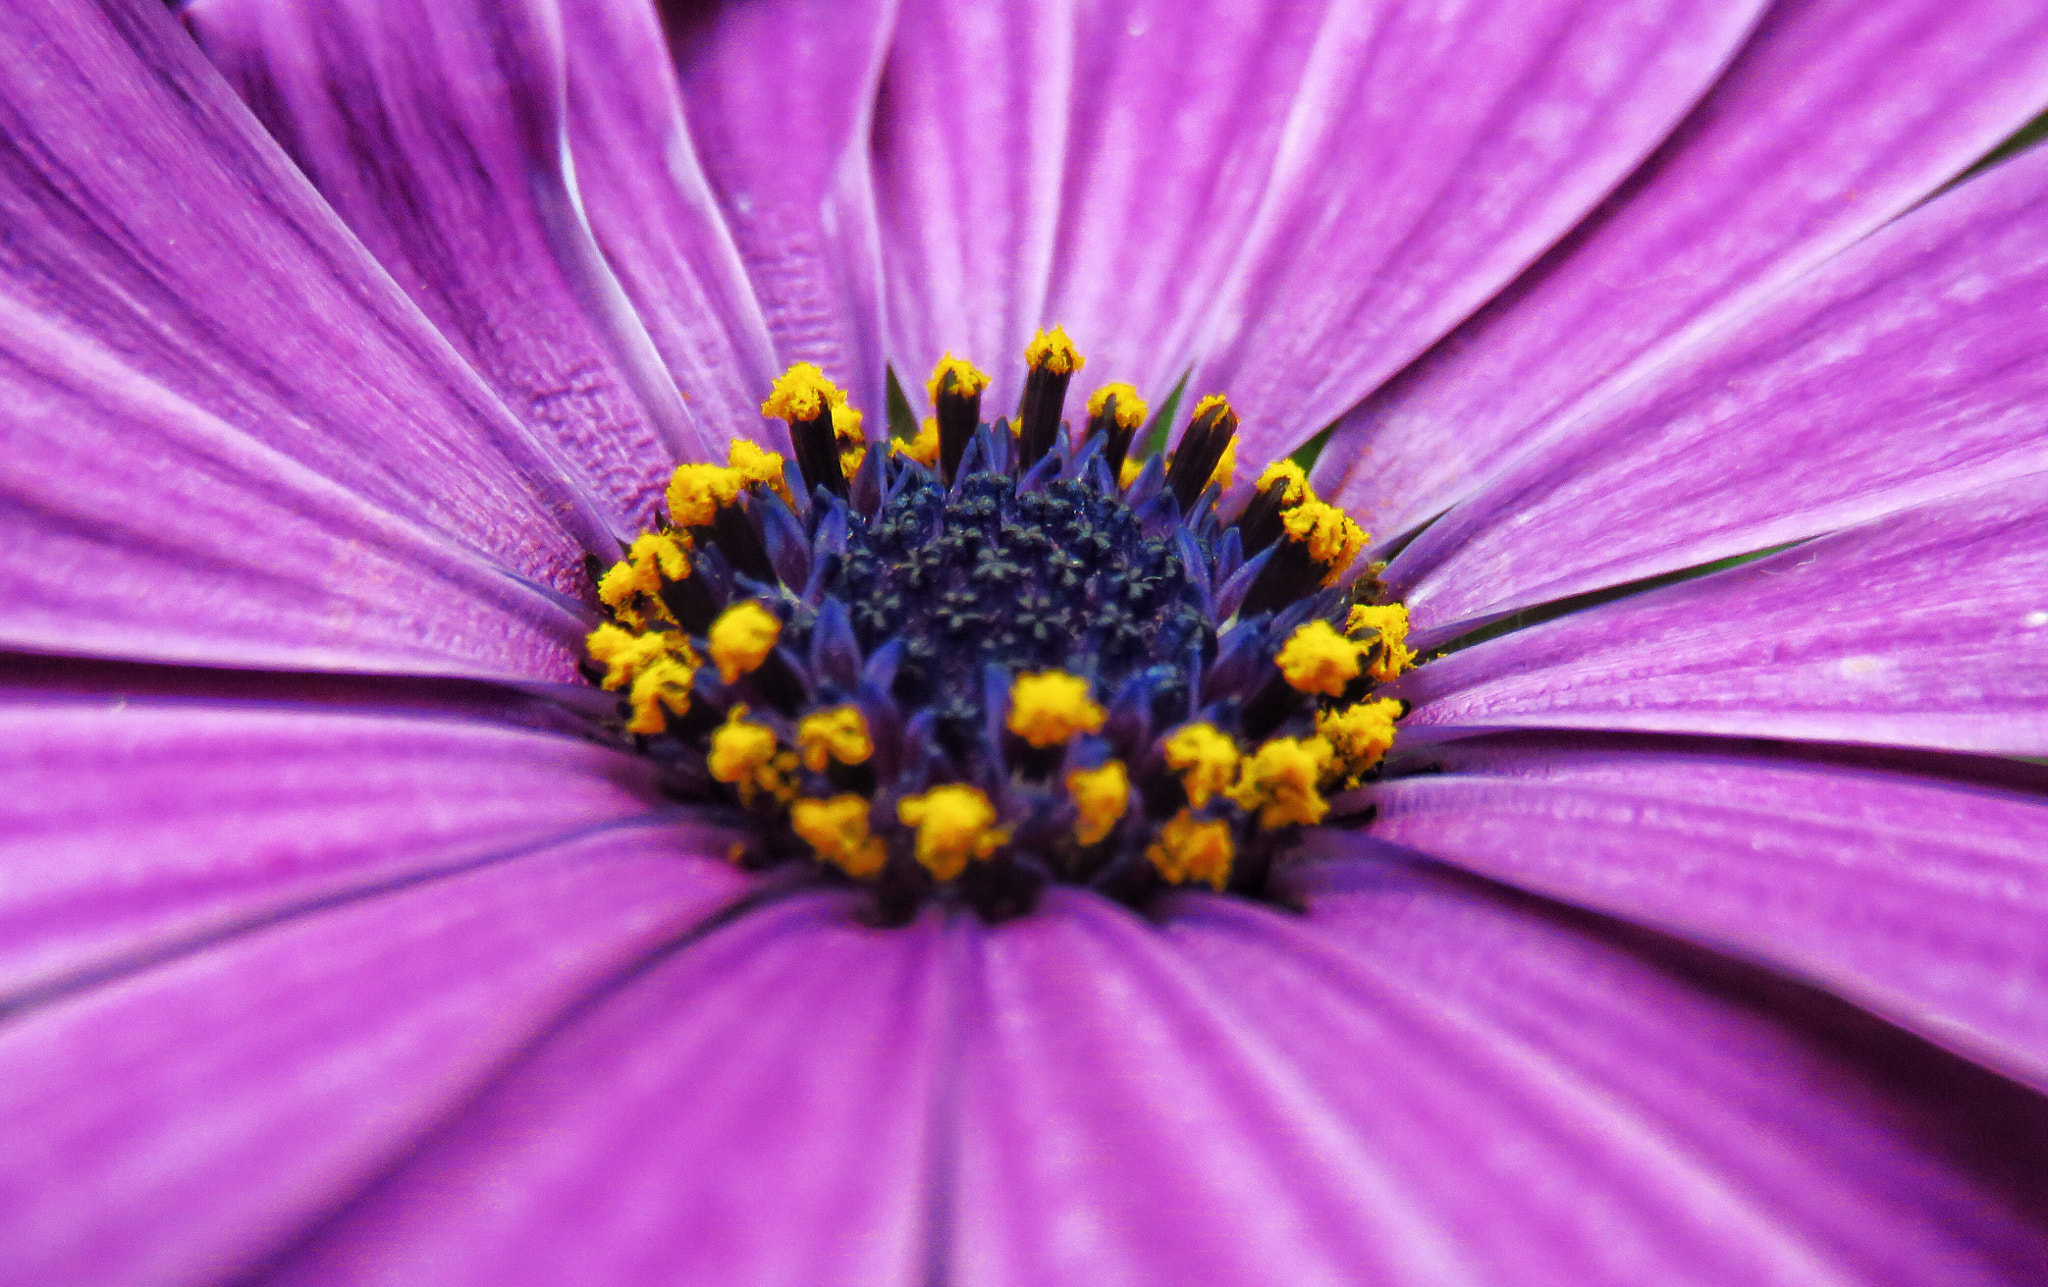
[{"x": 1687, "y": 925}]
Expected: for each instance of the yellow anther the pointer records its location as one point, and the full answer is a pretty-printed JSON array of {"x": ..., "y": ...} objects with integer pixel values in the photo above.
[
  {"x": 698, "y": 492},
  {"x": 1358, "y": 736},
  {"x": 1053, "y": 351},
  {"x": 1188, "y": 850},
  {"x": 661, "y": 689},
  {"x": 1129, "y": 473},
  {"x": 924, "y": 449},
  {"x": 744, "y": 756},
  {"x": 1291, "y": 479},
  {"x": 968, "y": 379},
  {"x": 1390, "y": 622},
  {"x": 799, "y": 392},
  {"x": 954, "y": 824},
  {"x": 1225, "y": 473},
  {"x": 1049, "y": 707},
  {"x": 759, "y": 467},
  {"x": 1214, "y": 401},
  {"x": 1316, "y": 659},
  {"x": 742, "y": 638},
  {"x": 1279, "y": 781},
  {"x": 654, "y": 556},
  {"x": 624, "y": 654},
  {"x": 840, "y": 733},
  {"x": 1100, "y": 796},
  {"x": 1205, "y": 758},
  {"x": 1130, "y": 408},
  {"x": 837, "y": 830},
  {"x": 1333, "y": 540}
]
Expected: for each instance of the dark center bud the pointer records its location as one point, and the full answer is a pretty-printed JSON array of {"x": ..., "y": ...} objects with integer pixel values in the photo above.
[
  {"x": 1053, "y": 360},
  {"x": 1116, "y": 412},
  {"x": 807, "y": 401},
  {"x": 1201, "y": 449},
  {"x": 1281, "y": 488},
  {"x": 955, "y": 389},
  {"x": 1314, "y": 546}
]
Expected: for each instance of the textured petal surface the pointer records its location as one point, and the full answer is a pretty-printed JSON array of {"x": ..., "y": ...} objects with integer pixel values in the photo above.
[
  {"x": 1433, "y": 152},
  {"x": 1922, "y": 899},
  {"x": 1903, "y": 370},
  {"x": 780, "y": 99},
  {"x": 438, "y": 131},
  {"x": 133, "y": 825},
  {"x": 970, "y": 131},
  {"x": 1929, "y": 628},
  {"x": 1837, "y": 116},
  {"x": 241, "y": 1090},
  {"x": 139, "y": 525},
  {"x": 1423, "y": 1083},
  {"x": 753, "y": 1109},
  {"x": 655, "y": 218},
  {"x": 145, "y": 207}
]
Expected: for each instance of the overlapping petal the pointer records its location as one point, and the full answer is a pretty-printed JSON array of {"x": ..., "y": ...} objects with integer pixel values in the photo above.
[
  {"x": 1901, "y": 371},
  {"x": 1921, "y": 896},
  {"x": 1836, "y": 117},
  {"x": 1926, "y": 628},
  {"x": 245, "y": 1088},
  {"x": 146, "y": 209},
  {"x": 438, "y": 132}
]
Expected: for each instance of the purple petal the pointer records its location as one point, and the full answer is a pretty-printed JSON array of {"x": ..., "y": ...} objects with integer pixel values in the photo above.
[
  {"x": 754, "y": 1109},
  {"x": 1424, "y": 1085},
  {"x": 184, "y": 1123},
  {"x": 1837, "y": 116},
  {"x": 130, "y": 826},
  {"x": 139, "y": 525},
  {"x": 1929, "y": 628},
  {"x": 145, "y": 208},
  {"x": 653, "y": 213},
  {"x": 780, "y": 99},
  {"x": 437, "y": 130},
  {"x": 1904, "y": 370},
  {"x": 1432, "y": 156},
  {"x": 969, "y": 138},
  {"x": 1921, "y": 899}
]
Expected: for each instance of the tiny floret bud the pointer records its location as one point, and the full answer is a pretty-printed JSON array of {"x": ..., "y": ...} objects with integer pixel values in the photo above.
[
  {"x": 1049, "y": 707},
  {"x": 1130, "y": 408},
  {"x": 954, "y": 824},
  {"x": 799, "y": 394},
  {"x": 1053, "y": 351},
  {"x": 742, "y": 638},
  {"x": 837, "y": 831},
  {"x": 840, "y": 733},
  {"x": 1100, "y": 797},
  {"x": 967, "y": 379},
  {"x": 1205, "y": 758},
  {"x": 1279, "y": 782},
  {"x": 1191, "y": 850}
]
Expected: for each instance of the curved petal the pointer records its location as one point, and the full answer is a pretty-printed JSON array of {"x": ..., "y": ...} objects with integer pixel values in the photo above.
[
  {"x": 1246, "y": 1090},
  {"x": 970, "y": 134},
  {"x": 1917, "y": 897},
  {"x": 780, "y": 99},
  {"x": 437, "y": 130},
  {"x": 1903, "y": 370},
  {"x": 145, "y": 208},
  {"x": 1433, "y": 154},
  {"x": 141, "y": 526},
  {"x": 136, "y": 826},
  {"x": 753, "y": 1109},
  {"x": 1837, "y": 116},
  {"x": 1929, "y": 628},
  {"x": 211, "y": 1106},
  {"x": 655, "y": 218}
]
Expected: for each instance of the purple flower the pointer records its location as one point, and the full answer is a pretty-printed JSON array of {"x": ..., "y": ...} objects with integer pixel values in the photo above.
[{"x": 1700, "y": 929}]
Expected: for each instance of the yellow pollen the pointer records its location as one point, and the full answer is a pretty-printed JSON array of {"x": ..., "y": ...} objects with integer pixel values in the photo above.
[
  {"x": 1049, "y": 707},
  {"x": 968, "y": 379},
  {"x": 954, "y": 823},
  {"x": 741, "y": 639},
  {"x": 840, "y": 733},
  {"x": 1316, "y": 659},
  {"x": 1205, "y": 758},
  {"x": 798, "y": 394},
  {"x": 1129, "y": 473},
  {"x": 837, "y": 830},
  {"x": 1279, "y": 782},
  {"x": 1358, "y": 737},
  {"x": 924, "y": 449},
  {"x": 661, "y": 689},
  {"x": 1053, "y": 351},
  {"x": 1130, "y": 408},
  {"x": 744, "y": 756},
  {"x": 1290, "y": 476},
  {"x": 1188, "y": 850},
  {"x": 624, "y": 654},
  {"x": 1212, "y": 401},
  {"x": 759, "y": 467},
  {"x": 1100, "y": 796},
  {"x": 1333, "y": 540},
  {"x": 1225, "y": 473},
  {"x": 655, "y": 556},
  {"x": 698, "y": 492},
  {"x": 1390, "y": 621}
]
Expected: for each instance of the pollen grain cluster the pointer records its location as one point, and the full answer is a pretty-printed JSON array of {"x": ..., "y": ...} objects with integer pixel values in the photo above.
[{"x": 1003, "y": 653}]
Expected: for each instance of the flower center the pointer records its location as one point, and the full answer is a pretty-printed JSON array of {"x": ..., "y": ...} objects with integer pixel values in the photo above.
[{"x": 1001, "y": 655}]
